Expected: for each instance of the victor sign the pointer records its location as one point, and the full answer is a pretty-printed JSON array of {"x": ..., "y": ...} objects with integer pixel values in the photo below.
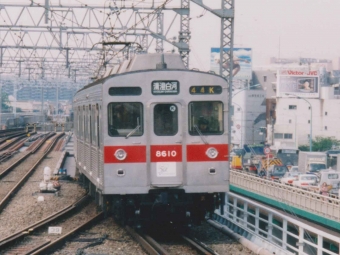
[{"x": 299, "y": 83}]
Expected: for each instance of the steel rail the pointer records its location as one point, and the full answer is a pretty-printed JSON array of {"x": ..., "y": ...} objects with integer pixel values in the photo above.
[
  {"x": 19, "y": 161},
  {"x": 8, "y": 240},
  {"x": 11, "y": 193},
  {"x": 147, "y": 246},
  {"x": 63, "y": 238},
  {"x": 199, "y": 246}
]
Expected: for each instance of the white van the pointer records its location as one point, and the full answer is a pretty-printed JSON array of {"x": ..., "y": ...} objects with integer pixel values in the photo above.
[{"x": 331, "y": 177}]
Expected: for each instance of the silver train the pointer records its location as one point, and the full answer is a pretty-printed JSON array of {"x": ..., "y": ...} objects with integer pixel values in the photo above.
[{"x": 152, "y": 140}]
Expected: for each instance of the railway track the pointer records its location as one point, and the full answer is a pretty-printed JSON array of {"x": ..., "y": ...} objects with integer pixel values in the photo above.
[
  {"x": 31, "y": 150},
  {"x": 10, "y": 135},
  {"x": 12, "y": 178},
  {"x": 35, "y": 238},
  {"x": 152, "y": 247}
]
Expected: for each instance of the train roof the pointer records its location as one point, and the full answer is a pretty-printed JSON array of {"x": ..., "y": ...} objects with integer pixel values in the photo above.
[{"x": 147, "y": 62}]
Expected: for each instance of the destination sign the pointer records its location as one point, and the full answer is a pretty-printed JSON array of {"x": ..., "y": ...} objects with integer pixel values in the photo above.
[
  {"x": 205, "y": 90},
  {"x": 165, "y": 87}
]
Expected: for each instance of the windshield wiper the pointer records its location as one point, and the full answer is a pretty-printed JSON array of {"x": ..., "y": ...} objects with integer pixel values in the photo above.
[
  {"x": 132, "y": 132},
  {"x": 200, "y": 133}
]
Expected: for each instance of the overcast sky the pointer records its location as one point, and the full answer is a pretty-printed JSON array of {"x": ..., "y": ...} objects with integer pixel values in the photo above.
[
  {"x": 306, "y": 28},
  {"x": 272, "y": 28}
]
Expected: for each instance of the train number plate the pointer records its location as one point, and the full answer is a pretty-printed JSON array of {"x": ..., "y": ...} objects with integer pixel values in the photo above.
[
  {"x": 54, "y": 230},
  {"x": 166, "y": 169}
]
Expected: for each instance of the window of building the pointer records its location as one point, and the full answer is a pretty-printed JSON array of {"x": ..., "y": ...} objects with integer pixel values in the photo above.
[
  {"x": 264, "y": 78},
  {"x": 308, "y": 135},
  {"x": 333, "y": 176},
  {"x": 325, "y": 127},
  {"x": 125, "y": 119},
  {"x": 290, "y": 121},
  {"x": 309, "y": 108},
  {"x": 278, "y": 135},
  {"x": 292, "y": 107},
  {"x": 206, "y": 117},
  {"x": 326, "y": 113},
  {"x": 308, "y": 121},
  {"x": 288, "y": 136},
  {"x": 165, "y": 119}
]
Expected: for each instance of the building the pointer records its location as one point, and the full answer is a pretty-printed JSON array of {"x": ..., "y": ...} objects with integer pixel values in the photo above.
[
  {"x": 249, "y": 116},
  {"x": 303, "y": 99}
]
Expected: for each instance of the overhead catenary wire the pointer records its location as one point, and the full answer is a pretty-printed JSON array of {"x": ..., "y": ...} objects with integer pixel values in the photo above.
[{"x": 56, "y": 17}]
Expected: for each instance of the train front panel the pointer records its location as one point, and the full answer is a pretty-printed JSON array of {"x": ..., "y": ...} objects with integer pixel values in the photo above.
[{"x": 165, "y": 129}]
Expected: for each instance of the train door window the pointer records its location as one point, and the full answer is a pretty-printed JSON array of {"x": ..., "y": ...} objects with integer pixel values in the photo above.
[
  {"x": 165, "y": 121},
  {"x": 125, "y": 119},
  {"x": 79, "y": 121},
  {"x": 86, "y": 123},
  {"x": 97, "y": 125},
  {"x": 83, "y": 123},
  {"x": 93, "y": 123},
  {"x": 90, "y": 124},
  {"x": 206, "y": 117}
]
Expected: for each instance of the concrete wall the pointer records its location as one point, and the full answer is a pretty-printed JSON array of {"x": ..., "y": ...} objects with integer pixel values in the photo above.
[{"x": 325, "y": 119}]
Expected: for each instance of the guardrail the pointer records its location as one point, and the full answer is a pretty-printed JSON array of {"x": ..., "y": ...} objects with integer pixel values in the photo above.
[
  {"x": 278, "y": 233},
  {"x": 316, "y": 207}
]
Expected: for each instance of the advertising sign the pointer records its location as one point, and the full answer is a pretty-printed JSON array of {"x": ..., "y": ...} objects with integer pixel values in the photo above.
[
  {"x": 242, "y": 65},
  {"x": 298, "y": 83}
]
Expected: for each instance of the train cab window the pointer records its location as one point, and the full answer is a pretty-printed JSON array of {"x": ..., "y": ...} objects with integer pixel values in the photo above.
[
  {"x": 125, "y": 119},
  {"x": 165, "y": 121},
  {"x": 206, "y": 117}
]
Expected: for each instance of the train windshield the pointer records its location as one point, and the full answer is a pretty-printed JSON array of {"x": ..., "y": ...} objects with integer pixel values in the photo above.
[
  {"x": 125, "y": 119},
  {"x": 206, "y": 117},
  {"x": 165, "y": 119}
]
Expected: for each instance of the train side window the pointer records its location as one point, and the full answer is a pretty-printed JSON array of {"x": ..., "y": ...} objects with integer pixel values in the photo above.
[
  {"x": 165, "y": 120},
  {"x": 125, "y": 119},
  {"x": 206, "y": 117}
]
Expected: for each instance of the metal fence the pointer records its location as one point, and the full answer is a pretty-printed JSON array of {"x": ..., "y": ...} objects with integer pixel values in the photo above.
[
  {"x": 276, "y": 232},
  {"x": 312, "y": 202}
]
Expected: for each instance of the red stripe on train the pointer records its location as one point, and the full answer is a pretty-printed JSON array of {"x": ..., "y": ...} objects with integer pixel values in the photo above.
[
  {"x": 135, "y": 154},
  {"x": 197, "y": 153},
  {"x": 166, "y": 153}
]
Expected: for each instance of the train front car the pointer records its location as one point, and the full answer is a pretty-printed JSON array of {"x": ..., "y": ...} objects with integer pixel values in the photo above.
[{"x": 165, "y": 141}]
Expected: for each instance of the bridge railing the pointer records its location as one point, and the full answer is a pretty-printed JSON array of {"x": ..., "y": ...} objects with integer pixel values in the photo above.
[
  {"x": 326, "y": 207},
  {"x": 278, "y": 233}
]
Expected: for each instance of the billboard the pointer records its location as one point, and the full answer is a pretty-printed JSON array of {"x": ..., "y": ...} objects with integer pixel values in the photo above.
[
  {"x": 298, "y": 83},
  {"x": 242, "y": 65}
]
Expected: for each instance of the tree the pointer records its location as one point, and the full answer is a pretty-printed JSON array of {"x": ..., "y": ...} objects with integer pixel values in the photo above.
[
  {"x": 5, "y": 104},
  {"x": 321, "y": 144}
]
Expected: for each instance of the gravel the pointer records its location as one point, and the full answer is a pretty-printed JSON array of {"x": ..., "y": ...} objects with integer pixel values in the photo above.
[{"x": 24, "y": 209}]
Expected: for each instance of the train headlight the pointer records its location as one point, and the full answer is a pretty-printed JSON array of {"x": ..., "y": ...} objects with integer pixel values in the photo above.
[
  {"x": 120, "y": 154},
  {"x": 211, "y": 153}
]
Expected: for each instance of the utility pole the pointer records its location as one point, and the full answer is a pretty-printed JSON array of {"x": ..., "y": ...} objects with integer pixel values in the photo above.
[
  {"x": 75, "y": 74},
  {"x": 29, "y": 72},
  {"x": 42, "y": 106},
  {"x": 20, "y": 61},
  {"x": 0, "y": 103}
]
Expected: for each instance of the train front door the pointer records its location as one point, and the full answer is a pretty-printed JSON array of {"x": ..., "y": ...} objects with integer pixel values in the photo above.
[{"x": 166, "y": 136}]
